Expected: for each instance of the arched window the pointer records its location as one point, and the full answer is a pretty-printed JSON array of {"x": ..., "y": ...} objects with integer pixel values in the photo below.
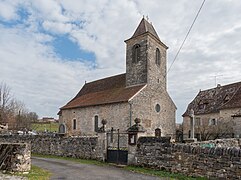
[
  {"x": 96, "y": 119},
  {"x": 158, "y": 57},
  {"x": 62, "y": 129},
  {"x": 74, "y": 124},
  {"x": 189, "y": 134},
  {"x": 136, "y": 53}
]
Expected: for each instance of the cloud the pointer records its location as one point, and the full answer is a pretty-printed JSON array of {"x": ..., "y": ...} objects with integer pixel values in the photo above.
[
  {"x": 56, "y": 27},
  {"x": 8, "y": 10},
  {"x": 45, "y": 81},
  {"x": 36, "y": 76}
]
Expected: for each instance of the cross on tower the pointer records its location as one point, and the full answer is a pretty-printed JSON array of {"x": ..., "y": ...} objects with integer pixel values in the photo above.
[{"x": 147, "y": 18}]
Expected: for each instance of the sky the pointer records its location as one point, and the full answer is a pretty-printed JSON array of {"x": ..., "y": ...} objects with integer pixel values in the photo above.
[{"x": 49, "y": 48}]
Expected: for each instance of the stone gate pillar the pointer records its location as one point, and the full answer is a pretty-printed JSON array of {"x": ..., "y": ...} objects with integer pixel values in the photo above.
[{"x": 134, "y": 132}]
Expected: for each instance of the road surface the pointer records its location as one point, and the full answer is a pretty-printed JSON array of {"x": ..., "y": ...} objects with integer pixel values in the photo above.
[{"x": 63, "y": 169}]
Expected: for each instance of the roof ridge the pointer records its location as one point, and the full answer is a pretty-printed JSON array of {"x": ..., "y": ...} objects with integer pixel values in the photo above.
[
  {"x": 105, "y": 78},
  {"x": 239, "y": 82}
]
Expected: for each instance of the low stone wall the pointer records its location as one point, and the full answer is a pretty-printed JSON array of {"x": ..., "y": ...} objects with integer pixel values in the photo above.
[
  {"x": 15, "y": 157},
  {"x": 216, "y": 162},
  {"x": 79, "y": 147},
  {"x": 230, "y": 142}
]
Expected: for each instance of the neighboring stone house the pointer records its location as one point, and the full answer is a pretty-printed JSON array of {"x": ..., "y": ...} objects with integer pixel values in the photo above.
[
  {"x": 217, "y": 113},
  {"x": 139, "y": 93}
]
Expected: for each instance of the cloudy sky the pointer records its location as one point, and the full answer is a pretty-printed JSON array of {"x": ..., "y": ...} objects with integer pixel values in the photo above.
[{"x": 49, "y": 48}]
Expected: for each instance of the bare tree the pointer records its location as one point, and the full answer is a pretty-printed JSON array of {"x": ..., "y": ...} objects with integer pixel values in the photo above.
[
  {"x": 222, "y": 129},
  {"x": 5, "y": 103},
  {"x": 13, "y": 112},
  {"x": 33, "y": 116}
]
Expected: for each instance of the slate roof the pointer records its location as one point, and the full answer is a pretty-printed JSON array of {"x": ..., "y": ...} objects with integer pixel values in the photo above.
[
  {"x": 104, "y": 91},
  {"x": 144, "y": 27},
  {"x": 215, "y": 99}
]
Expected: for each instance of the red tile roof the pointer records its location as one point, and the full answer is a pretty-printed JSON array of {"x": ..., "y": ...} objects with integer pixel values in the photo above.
[
  {"x": 104, "y": 91},
  {"x": 215, "y": 99}
]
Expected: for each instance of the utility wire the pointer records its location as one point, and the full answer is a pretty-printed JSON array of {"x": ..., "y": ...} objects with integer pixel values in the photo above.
[{"x": 175, "y": 58}]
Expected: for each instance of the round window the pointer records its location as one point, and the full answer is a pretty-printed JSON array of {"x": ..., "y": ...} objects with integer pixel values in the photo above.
[{"x": 158, "y": 108}]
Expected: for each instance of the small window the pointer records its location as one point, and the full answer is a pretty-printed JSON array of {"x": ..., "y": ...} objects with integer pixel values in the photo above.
[
  {"x": 74, "y": 124},
  {"x": 136, "y": 53},
  {"x": 198, "y": 121},
  {"x": 158, "y": 108},
  {"x": 132, "y": 139},
  {"x": 189, "y": 134},
  {"x": 158, "y": 57},
  {"x": 157, "y": 132},
  {"x": 201, "y": 106},
  {"x": 212, "y": 121},
  {"x": 226, "y": 98},
  {"x": 96, "y": 123}
]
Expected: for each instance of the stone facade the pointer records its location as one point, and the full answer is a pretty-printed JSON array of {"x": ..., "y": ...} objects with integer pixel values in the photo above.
[
  {"x": 144, "y": 107},
  {"x": 136, "y": 73},
  {"x": 196, "y": 161},
  {"x": 222, "y": 117},
  {"x": 146, "y": 70},
  {"x": 151, "y": 102},
  {"x": 15, "y": 157},
  {"x": 85, "y": 118}
]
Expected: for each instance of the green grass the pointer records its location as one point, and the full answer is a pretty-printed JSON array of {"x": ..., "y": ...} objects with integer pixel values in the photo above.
[
  {"x": 148, "y": 171},
  {"x": 82, "y": 161},
  {"x": 41, "y": 127},
  {"x": 36, "y": 173},
  {"x": 160, "y": 173}
]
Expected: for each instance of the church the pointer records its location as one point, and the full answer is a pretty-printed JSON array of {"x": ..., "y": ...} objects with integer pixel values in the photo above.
[{"x": 118, "y": 100}]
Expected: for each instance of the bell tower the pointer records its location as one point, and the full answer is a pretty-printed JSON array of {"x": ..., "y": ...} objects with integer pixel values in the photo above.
[{"x": 145, "y": 57}]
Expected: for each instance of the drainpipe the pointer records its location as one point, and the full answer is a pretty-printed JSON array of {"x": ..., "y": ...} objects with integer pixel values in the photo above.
[{"x": 130, "y": 112}]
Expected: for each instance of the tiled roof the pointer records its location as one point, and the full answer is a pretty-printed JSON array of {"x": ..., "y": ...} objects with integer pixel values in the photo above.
[
  {"x": 103, "y": 91},
  {"x": 144, "y": 27},
  {"x": 215, "y": 99}
]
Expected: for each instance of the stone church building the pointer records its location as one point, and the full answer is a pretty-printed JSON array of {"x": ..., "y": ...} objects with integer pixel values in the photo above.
[{"x": 141, "y": 92}]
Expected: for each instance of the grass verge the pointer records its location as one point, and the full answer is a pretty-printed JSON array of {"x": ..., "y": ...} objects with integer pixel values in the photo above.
[
  {"x": 42, "y": 127},
  {"x": 160, "y": 173},
  {"x": 36, "y": 173},
  {"x": 82, "y": 161},
  {"x": 142, "y": 170}
]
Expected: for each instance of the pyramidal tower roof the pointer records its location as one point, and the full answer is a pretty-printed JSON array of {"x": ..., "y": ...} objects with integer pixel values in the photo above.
[{"x": 144, "y": 27}]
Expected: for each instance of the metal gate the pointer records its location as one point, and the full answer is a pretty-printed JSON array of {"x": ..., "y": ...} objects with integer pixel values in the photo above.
[{"x": 117, "y": 147}]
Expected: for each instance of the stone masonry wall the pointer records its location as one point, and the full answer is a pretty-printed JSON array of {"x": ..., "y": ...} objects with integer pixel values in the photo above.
[
  {"x": 15, "y": 157},
  {"x": 78, "y": 147},
  {"x": 197, "y": 161},
  {"x": 136, "y": 73},
  {"x": 117, "y": 116},
  {"x": 143, "y": 107},
  {"x": 156, "y": 73},
  {"x": 226, "y": 143}
]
